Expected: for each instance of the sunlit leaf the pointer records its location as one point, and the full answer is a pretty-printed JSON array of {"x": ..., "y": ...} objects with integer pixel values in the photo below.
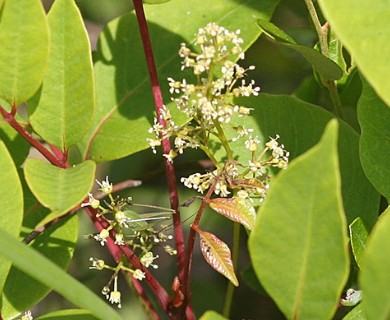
[
  {"x": 24, "y": 43},
  {"x": 217, "y": 254},
  {"x": 69, "y": 314},
  {"x": 374, "y": 271},
  {"x": 356, "y": 314},
  {"x": 212, "y": 315},
  {"x": 59, "y": 189},
  {"x": 42, "y": 269},
  {"x": 237, "y": 209},
  {"x": 66, "y": 102},
  {"x": 362, "y": 27},
  {"x": 299, "y": 244},
  {"x": 11, "y": 199},
  {"x": 358, "y": 235},
  {"x": 57, "y": 243}
]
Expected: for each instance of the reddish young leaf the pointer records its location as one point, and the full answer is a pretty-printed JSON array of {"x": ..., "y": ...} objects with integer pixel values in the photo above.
[
  {"x": 217, "y": 254},
  {"x": 237, "y": 209}
]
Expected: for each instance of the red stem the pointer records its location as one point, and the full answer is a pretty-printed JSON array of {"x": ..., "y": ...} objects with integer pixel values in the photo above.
[
  {"x": 191, "y": 239},
  {"x": 166, "y": 147},
  {"x": 117, "y": 251}
]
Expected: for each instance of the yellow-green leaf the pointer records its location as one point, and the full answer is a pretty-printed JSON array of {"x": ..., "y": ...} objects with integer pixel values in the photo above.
[
  {"x": 66, "y": 102},
  {"x": 59, "y": 189},
  {"x": 24, "y": 49},
  {"x": 363, "y": 28},
  {"x": 11, "y": 199},
  {"x": 375, "y": 275},
  {"x": 299, "y": 244}
]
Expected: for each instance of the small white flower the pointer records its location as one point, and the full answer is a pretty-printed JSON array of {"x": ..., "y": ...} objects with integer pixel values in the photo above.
[
  {"x": 115, "y": 295},
  {"x": 122, "y": 219},
  {"x": 252, "y": 143},
  {"x": 119, "y": 239},
  {"x": 27, "y": 316},
  {"x": 147, "y": 260},
  {"x": 97, "y": 264},
  {"x": 105, "y": 186},
  {"x": 94, "y": 203},
  {"x": 138, "y": 274},
  {"x": 102, "y": 236}
]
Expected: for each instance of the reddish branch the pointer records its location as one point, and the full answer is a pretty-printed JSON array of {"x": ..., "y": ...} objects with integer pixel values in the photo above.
[
  {"x": 53, "y": 159},
  {"x": 169, "y": 168}
]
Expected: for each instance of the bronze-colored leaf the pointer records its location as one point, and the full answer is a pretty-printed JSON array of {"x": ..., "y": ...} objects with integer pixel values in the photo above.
[
  {"x": 217, "y": 254},
  {"x": 237, "y": 209}
]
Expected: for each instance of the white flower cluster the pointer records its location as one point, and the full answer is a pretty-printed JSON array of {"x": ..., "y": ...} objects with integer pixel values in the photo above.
[{"x": 209, "y": 102}]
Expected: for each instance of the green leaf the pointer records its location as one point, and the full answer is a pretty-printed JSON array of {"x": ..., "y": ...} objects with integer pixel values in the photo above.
[
  {"x": 356, "y": 314},
  {"x": 300, "y": 126},
  {"x": 69, "y": 314},
  {"x": 23, "y": 57},
  {"x": 57, "y": 243},
  {"x": 124, "y": 110},
  {"x": 274, "y": 32},
  {"x": 11, "y": 198},
  {"x": 362, "y": 29},
  {"x": 155, "y": 1},
  {"x": 212, "y": 315},
  {"x": 251, "y": 280},
  {"x": 374, "y": 119},
  {"x": 64, "y": 112},
  {"x": 59, "y": 189},
  {"x": 299, "y": 245},
  {"x": 374, "y": 271},
  {"x": 17, "y": 146},
  {"x": 328, "y": 69},
  {"x": 53, "y": 276},
  {"x": 237, "y": 209},
  {"x": 217, "y": 255},
  {"x": 358, "y": 235}
]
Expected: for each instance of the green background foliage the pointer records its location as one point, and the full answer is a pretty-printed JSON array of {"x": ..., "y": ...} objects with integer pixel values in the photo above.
[{"x": 97, "y": 108}]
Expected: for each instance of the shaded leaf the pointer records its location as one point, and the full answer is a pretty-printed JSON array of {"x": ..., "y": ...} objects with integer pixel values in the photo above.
[
  {"x": 374, "y": 119},
  {"x": 124, "y": 103},
  {"x": 11, "y": 199},
  {"x": 45, "y": 271},
  {"x": 328, "y": 69},
  {"x": 66, "y": 103},
  {"x": 361, "y": 28},
  {"x": 274, "y": 32},
  {"x": 17, "y": 146},
  {"x": 217, "y": 254},
  {"x": 358, "y": 235},
  {"x": 374, "y": 271},
  {"x": 299, "y": 245},
  {"x": 69, "y": 314},
  {"x": 237, "y": 209},
  {"x": 297, "y": 121},
  {"x": 24, "y": 42},
  {"x": 59, "y": 189},
  {"x": 251, "y": 280}
]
